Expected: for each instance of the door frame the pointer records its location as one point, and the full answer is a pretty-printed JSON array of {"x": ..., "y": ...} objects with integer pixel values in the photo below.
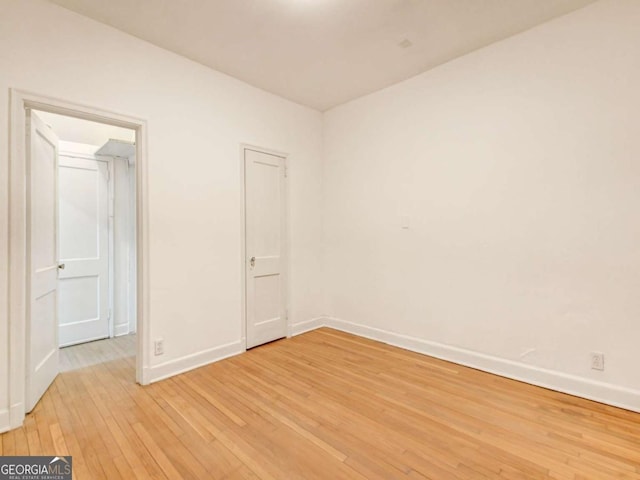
[
  {"x": 20, "y": 101},
  {"x": 243, "y": 240}
]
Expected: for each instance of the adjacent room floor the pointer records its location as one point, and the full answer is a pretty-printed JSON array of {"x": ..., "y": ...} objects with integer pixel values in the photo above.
[
  {"x": 325, "y": 405},
  {"x": 101, "y": 351}
]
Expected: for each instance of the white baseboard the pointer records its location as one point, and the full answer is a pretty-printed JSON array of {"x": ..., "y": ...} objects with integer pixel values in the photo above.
[
  {"x": 607, "y": 393},
  {"x": 11, "y": 418},
  {"x": 5, "y": 425},
  {"x": 120, "y": 330},
  {"x": 189, "y": 362},
  {"x": 16, "y": 415},
  {"x": 302, "y": 327}
]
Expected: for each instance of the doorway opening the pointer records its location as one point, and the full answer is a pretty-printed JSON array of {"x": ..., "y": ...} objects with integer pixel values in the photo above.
[
  {"x": 95, "y": 240},
  {"x": 78, "y": 267}
]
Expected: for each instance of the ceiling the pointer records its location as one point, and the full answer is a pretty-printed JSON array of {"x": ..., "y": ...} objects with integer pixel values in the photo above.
[
  {"x": 322, "y": 53},
  {"x": 70, "y": 129}
]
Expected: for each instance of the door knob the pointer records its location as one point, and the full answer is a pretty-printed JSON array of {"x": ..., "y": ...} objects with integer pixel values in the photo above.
[
  {"x": 252, "y": 262},
  {"x": 61, "y": 266}
]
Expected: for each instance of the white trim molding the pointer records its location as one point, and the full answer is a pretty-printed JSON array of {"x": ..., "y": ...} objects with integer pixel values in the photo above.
[
  {"x": 11, "y": 417},
  {"x": 308, "y": 325},
  {"x": 119, "y": 330},
  {"x": 602, "y": 392},
  {"x": 5, "y": 424},
  {"x": 170, "y": 368},
  {"x": 16, "y": 415}
]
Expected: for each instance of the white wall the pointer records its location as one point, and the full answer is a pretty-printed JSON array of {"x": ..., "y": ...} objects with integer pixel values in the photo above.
[
  {"x": 197, "y": 119},
  {"x": 124, "y": 241},
  {"x": 518, "y": 166}
]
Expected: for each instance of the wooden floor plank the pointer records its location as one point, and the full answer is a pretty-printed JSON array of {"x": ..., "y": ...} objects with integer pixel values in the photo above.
[{"x": 325, "y": 404}]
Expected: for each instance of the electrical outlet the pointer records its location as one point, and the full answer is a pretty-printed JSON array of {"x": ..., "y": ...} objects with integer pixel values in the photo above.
[
  {"x": 159, "y": 346},
  {"x": 597, "y": 361}
]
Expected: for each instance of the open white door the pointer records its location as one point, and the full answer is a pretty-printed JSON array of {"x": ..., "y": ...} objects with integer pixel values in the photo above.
[
  {"x": 265, "y": 247},
  {"x": 42, "y": 305},
  {"x": 84, "y": 249}
]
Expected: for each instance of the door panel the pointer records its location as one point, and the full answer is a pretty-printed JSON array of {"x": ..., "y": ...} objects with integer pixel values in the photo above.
[
  {"x": 42, "y": 326},
  {"x": 265, "y": 247},
  {"x": 84, "y": 250}
]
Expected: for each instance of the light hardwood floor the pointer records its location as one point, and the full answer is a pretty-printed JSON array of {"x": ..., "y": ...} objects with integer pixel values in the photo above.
[
  {"x": 325, "y": 405},
  {"x": 93, "y": 353}
]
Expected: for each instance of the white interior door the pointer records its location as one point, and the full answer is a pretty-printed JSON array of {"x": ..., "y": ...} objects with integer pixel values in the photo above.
[
  {"x": 84, "y": 249},
  {"x": 265, "y": 247},
  {"x": 42, "y": 306}
]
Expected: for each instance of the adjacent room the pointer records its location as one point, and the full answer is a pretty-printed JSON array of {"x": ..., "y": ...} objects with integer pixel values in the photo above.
[
  {"x": 320, "y": 239},
  {"x": 95, "y": 240}
]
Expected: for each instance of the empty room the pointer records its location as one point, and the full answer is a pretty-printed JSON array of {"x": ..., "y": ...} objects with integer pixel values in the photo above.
[{"x": 319, "y": 239}]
